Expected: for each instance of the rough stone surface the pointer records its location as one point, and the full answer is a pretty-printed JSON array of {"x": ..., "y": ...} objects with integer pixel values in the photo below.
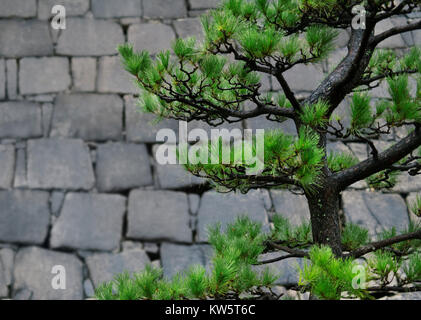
[
  {"x": 19, "y": 38},
  {"x": 224, "y": 208},
  {"x": 122, "y": 167},
  {"x": 87, "y": 37},
  {"x": 103, "y": 267},
  {"x": 89, "y": 222},
  {"x": 374, "y": 211},
  {"x": 20, "y": 120},
  {"x": 59, "y": 164},
  {"x": 24, "y": 216},
  {"x": 304, "y": 77},
  {"x": 189, "y": 28},
  {"x": 18, "y": 8},
  {"x": 7, "y": 160},
  {"x": 286, "y": 269},
  {"x": 140, "y": 126},
  {"x": 164, "y": 8},
  {"x": 153, "y": 37},
  {"x": 2, "y": 79},
  {"x": 116, "y": 9},
  {"x": 179, "y": 258},
  {"x": 43, "y": 75},
  {"x": 12, "y": 78},
  {"x": 32, "y": 272},
  {"x": 410, "y": 201},
  {"x": 291, "y": 206},
  {"x": 204, "y": 4},
  {"x": 159, "y": 215},
  {"x": 84, "y": 74},
  {"x": 73, "y": 7},
  {"x": 112, "y": 78},
  {"x": 88, "y": 116},
  {"x": 7, "y": 260}
]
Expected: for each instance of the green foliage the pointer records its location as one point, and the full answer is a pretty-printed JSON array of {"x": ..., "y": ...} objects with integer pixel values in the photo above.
[
  {"x": 361, "y": 116},
  {"x": 383, "y": 180},
  {"x": 284, "y": 232},
  {"x": 338, "y": 161},
  {"x": 415, "y": 207},
  {"x": 383, "y": 264},
  {"x": 405, "y": 247},
  {"x": 412, "y": 268},
  {"x": 314, "y": 115},
  {"x": 321, "y": 40},
  {"x": 354, "y": 236}
]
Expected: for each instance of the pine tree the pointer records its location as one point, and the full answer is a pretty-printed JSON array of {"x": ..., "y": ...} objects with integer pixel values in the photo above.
[{"x": 211, "y": 81}]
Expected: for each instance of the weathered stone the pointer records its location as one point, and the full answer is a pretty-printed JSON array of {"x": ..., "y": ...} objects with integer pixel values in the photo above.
[
  {"x": 33, "y": 272},
  {"x": 7, "y": 160},
  {"x": 287, "y": 269},
  {"x": 116, "y": 9},
  {"x": 88, "y": 288},
  {"x": 140, "y": 126},
  {"x": 291, "y": 206},
  {"x": 103, "y": 267},
  {"x": 375, "y": 211},
  {"x": 2, "y": 79},
  {"x": 359, "y": 150},
  {"x": 189, "y": 28},
  {"x": 153, "y": 37},
  {"x": 335, "y": 58},
  {"x": 56, "y": 202},
  {"x": 179, "y": 258},
  {"x": 224, "y": 208},
  {"x": 392, "y": 42},
  {"x": 122, "y": 167},
  {"x": 12, "y": 79},
  {"x": 20, "y": 180},
  {"x": 194, "y": 202},
  {"x": 73, "y": 7},
  {"x": 173, "y": 176},
  {"x": 112, "y": 78},
  {"x": 304, "y": 77},
  {"x": 88, "y": 37},
  {"x": 406, "y": 183},
  {"x": 164, "y": 8},
  {"x": 24, "y": 217},
  {"x": 4, "y": 290},
  {"x": 204, "y": 4},
  {"x": 19, "y": 38},
  {"x": 20, "y": 120},
  {"x": 7, "y": 260},
  {"x": 47, "y": 115},
  {"x": 404, "y": 296},
  {"x": 59, "y": 164},
  {"x": 89, "y": 222},
  {"x": 151, "y": 211},
  {"x": 84, "y": 74},
  {"x": 88, "y": 116},
  {"x": 18, "y": 8},
  {"x": 410, "y": 201},
  {"x": 43, "y": 75}
]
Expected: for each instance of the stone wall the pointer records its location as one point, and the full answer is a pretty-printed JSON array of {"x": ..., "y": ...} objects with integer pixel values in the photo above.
[{"x": 79, "y": 184}]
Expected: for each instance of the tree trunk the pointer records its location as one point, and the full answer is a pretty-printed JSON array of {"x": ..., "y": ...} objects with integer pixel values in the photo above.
[{"x": 324, "y": 213}]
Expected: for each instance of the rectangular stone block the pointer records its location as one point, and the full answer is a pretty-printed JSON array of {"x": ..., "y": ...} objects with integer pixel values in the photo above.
[
  {"x": 88, "y": 116},
  {"x": 12, "y": 79},
  {"x": 20, "y": 120},
  {"x": 153, "y": 37},
  {"x": 164, "y": 8},
  {"x": 18, "y": 8},
  {"x": 43, "y": 75},
  {"x": 7, "y": 160},
  {"x": 20, "y": 38},
  {"x": 116, "y": 9},
  {"x": 88, "y": 37},
  {"x": 112, "y": 78},
  {"x": 189, "y": 28},
  {"x": 73, "y": 7},
  {"x": 204, "y": 4},
  {"x": 24, "y": 217},
  {"x": 84, "y": 74},
  {"x": 59, "y": 164},
  {"x": 2, "y": 79}
]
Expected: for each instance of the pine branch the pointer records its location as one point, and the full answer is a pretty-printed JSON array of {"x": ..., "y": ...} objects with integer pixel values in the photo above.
[
  {"x": 288, "y": 92},
  {"x": 368, "y": 81},
  {"x": 394, "y": 31}
]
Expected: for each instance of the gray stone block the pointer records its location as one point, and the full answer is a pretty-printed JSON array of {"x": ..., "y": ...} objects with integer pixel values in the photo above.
[
  {"x": 140, "y": 126},
  {"x": 19, "y": 38},
  {"x": 392, "y": 42},
  {"x": 375, "y": 211},
  {"x": 84, "y": 74},
  {"x": 153, "y": 37},
  {"x": 116, "y": 9},
  {"x": 7, "y": 260},
  {"x": 88, "y": 37},
  {"x": 304, "y": 77},
  {"x": 32, "y": 272},
  {"x": 194, "y": 202},
  {"x": 179, "y": 258},
  {"x": 2, "y": 79},
  {"x": 224, "y": 208},
  {"x": 122, "y": 167},
  {"x": 291, "y": 206},
  {"x": 43, "y": 75},
  {"x": 286, "y": 269},
  {"x": 89, "y": 222},
  {"x": 20, "y": 120},
  {"x": 59, "y": 164},
  {"x": 406, "y": 183},
  {"x": 410, "y": 200},
  {"x": 12, "y": 79},
  {"x": 18, "y": 8},
  {"x": 204, "y": 4},
  {"x": 164, "y": 9},
  {"x": 24, "y": 217},
  {"x": 113, "y": 78},
  {"x": 191, "y": 27},
  {"x": 73, "y": 7},
  {"x": 7, "y": 160},
  {"x": 88, "y": 116},
  {"x": 159, "y": 215},
  {"x": 104, "y": 267}
]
